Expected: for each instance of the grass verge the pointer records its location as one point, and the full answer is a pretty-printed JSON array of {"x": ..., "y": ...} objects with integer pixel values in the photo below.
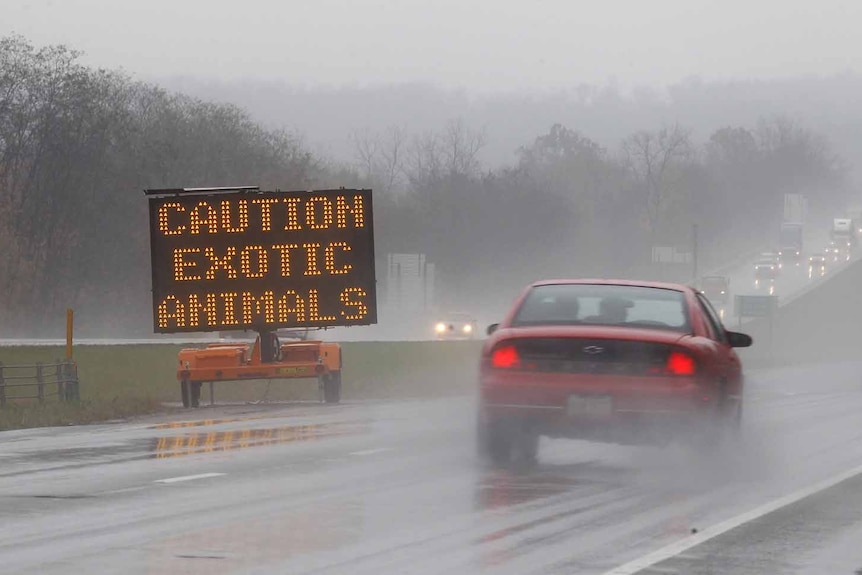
[
  {"x": 50, "y": 414},
  {"x": 120, "y": 381}
]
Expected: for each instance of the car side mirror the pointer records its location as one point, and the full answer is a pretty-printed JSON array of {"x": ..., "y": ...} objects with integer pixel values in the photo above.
[
  {"x": 492, "y": 328},
  {"x": 736, "y": 339}
]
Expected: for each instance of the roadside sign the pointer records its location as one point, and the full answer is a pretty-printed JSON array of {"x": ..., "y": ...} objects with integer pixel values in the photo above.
[
  {"x": 225, "y": 259},
  {"x": 670, "y": 255},
  {"x": 755, "y": 305},
  {"x": 795, "y": 208}
]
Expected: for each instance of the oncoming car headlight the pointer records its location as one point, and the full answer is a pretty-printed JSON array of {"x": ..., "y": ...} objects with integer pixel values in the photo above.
[{"x": 440, "y": 327}]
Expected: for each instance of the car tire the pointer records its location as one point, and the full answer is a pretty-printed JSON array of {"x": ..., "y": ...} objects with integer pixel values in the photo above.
[
  {"x": 505, "y": 442},
  {"x": 494, "y": 442},
  {"x": 526, "y": 450},
  {"x": 721, "y": 432},
  {"x": 500, "y": 447}
]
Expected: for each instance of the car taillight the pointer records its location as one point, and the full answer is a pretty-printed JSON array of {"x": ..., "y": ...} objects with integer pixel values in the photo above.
[
  {"x": 505, "y": 357},
  {"x": 679, "y": 363}
]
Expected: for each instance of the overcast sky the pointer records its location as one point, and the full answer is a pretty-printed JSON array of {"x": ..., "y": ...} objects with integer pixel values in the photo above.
[{"x": 481, "y": 45}]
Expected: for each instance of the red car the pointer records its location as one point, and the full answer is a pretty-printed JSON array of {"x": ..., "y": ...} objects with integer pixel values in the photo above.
[{"x": 604, "y": 360}]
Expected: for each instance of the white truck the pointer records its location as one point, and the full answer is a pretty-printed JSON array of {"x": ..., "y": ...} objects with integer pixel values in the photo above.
[
  {"x": 855, "y": 215},
  {"x": 843, "y": 237}
]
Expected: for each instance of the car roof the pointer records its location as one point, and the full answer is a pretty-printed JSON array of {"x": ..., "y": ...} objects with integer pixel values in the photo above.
[{"x": 610, "y": 282}]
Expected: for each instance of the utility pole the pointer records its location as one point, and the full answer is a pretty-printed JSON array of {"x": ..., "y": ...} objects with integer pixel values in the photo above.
[{"x": 694, "y": 252}]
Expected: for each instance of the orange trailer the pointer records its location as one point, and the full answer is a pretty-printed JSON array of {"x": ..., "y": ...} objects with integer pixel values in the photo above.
[{"x": 271, "y": 360}]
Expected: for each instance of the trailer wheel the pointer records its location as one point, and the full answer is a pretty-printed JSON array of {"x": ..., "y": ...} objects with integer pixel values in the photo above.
[
  {"x": 186, "y": 393},
  {"x": 196, "y": 392},
  {"x": 332, "y": 387}
]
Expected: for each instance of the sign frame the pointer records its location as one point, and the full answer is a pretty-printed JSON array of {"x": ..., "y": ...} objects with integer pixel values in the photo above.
[
  {"x": 241, "y": 258},
  {"x": 755, "y": 305}
]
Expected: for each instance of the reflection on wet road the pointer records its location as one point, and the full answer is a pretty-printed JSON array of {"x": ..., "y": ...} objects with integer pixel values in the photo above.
[
  {"x": 396, "y": 488},
  {"x": 501, "y": 488},
  {"x": 179, "y": 445}
]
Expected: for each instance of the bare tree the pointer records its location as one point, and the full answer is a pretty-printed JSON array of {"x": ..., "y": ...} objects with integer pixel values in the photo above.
[
  {"x": 424, "y": 163},
  {"x": 461, "y": 147},
  {"x": 380, "y": 157},
  {"x": 655, "y": 160},
  {"x": 75, "y": 144},
  {"x": 453, "y": 154},
  {"x": 801, "y": 160}
]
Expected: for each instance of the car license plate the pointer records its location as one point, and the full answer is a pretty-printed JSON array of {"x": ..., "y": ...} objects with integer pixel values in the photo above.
[{"x": 590, "y": 405}]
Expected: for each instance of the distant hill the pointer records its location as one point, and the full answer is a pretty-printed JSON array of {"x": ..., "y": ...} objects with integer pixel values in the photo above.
[{"x": 326, "y": 116}]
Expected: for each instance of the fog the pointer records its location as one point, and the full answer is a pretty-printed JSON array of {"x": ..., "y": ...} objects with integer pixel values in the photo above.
[
  {"x": 505, "y": 143},
  {"x": 487, "y": 46}
]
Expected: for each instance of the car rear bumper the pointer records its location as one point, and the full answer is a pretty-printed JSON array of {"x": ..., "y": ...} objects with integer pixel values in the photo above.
[{"x": 642, "y": 409}]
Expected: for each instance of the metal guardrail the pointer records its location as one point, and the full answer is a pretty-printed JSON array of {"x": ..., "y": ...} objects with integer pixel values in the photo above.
[{"x": 58, "y": 379}]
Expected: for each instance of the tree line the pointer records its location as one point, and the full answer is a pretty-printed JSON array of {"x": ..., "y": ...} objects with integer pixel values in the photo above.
[{"x": 78, "y": 145}]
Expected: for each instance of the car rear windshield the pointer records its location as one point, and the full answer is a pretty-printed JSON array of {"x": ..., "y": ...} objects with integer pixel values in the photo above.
[{"x": 598, "y": 304}]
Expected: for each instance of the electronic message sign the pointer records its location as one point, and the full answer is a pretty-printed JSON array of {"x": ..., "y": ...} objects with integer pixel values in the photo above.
[{"x": 229, "y": 259}]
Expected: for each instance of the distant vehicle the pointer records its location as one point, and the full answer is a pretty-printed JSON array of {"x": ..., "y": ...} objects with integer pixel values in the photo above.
[
  {"x": 455, "y": 325},
  {"x": 607, "y": 360},
  {"x": 833, "y": 252},
  {"x": 789, "y": 257},
  {"x": 716, "y": 289},
  {"x": 843, "y": 234},
  {"x": 772, "y": 258},
  {"x": 765, "y": 272},
  {"x": 765, "y": 268},
  {"x": 790, "y": 242},
  {"x": 855, "y": 215},
  {"x": 817, "y": 265},
  {"x": 839, "y": 251}
]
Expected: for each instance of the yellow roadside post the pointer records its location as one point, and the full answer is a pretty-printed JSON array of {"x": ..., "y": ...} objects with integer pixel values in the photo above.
[{"x": 70, "y": 317}]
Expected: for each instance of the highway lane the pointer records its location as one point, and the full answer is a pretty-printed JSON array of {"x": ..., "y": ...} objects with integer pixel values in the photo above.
[
  {"x": 395, "y": 487},
  {"x": 790, "y": 281}
]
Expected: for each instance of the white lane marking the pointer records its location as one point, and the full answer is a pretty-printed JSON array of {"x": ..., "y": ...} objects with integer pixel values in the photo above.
[
  {"x": 365, "y": 452},
  {"x": 123, "y": 490},
  {"x": 188, "y": 478},
  {"x": 682, "y": 545},
  {"x": 689, "y": 557}
]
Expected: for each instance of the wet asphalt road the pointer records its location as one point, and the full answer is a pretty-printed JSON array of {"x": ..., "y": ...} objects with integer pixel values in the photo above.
[{"x": 396, "y": 488}]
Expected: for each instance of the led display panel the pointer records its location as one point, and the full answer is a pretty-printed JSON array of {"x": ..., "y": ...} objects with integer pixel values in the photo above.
[{"x": 259, "y": 260}]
